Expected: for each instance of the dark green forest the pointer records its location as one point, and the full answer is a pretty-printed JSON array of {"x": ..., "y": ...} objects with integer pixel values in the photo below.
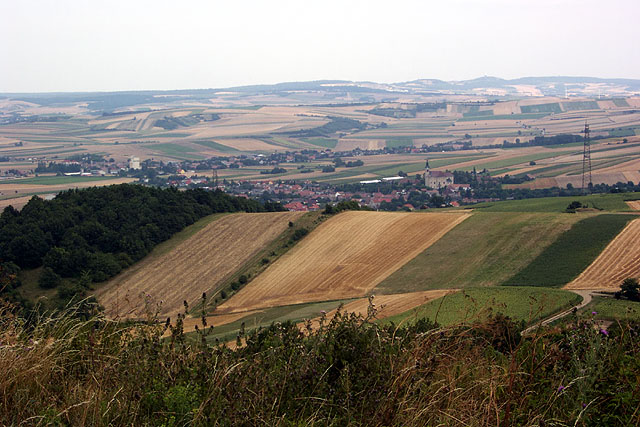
[{"x": 92, "y": 234}]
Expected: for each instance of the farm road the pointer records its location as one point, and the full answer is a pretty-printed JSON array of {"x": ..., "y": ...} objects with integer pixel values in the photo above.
[{"x": 587, "y": 296}]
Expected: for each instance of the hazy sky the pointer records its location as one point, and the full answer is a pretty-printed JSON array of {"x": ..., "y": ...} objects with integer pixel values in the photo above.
[{"x": 85, "y": 45}]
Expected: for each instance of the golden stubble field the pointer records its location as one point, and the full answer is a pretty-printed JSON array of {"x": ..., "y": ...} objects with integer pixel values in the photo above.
[
  {"x": 195, "y": 266},
  {"x": 345, "y": 257},
  {"x": 619, "y": 260}
]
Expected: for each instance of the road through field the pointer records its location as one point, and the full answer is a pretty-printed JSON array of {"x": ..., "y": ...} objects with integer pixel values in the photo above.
[
  {"x": 345, "y": 257},
  {"x": 619, "y": 260},
  {"x": 195, "y": 266}
]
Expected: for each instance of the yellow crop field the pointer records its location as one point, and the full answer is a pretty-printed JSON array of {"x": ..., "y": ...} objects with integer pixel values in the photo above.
[
  {"x": 195, "y": 266},
  {"x": 345, "y": 257},
  {"x": 619, "y": 260}
]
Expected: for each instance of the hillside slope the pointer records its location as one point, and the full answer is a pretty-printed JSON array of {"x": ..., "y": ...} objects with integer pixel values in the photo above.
[
  {"x": 345, "y": 257},
  {"x": 195, "y": 266}
]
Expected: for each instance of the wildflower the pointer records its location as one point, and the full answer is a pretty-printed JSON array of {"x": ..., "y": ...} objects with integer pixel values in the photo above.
[
  {"x": 604, "y": 332},
  {"x": 594, "y": 312},
  {"x": 584, "y": 405},
  {"x": 561, "y": 389}
]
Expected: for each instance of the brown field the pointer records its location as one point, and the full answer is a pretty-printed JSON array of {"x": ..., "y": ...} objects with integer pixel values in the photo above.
[
  {"x": 18, "y": 202},
  {"x": 345, "y": 257},
  {"x": 635, "y": 205},
  {"x": 195, "y": 266},
  {"x": 619, "y": 260}
]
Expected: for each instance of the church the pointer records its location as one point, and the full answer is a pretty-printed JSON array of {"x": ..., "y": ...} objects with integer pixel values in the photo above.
[{"x": 436, "y": 179}]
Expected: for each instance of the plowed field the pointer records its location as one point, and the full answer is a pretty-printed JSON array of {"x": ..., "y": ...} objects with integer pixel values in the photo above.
[
  {"x": 195, "y": 266},
  {"x": 345, "y": 257},
  {"x": 619, "y": 260}
]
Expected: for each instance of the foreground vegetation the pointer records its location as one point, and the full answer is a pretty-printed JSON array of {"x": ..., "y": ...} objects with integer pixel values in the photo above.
[
  {"x": 64, "y": 371},
  {"x": 571, "y": 252}
]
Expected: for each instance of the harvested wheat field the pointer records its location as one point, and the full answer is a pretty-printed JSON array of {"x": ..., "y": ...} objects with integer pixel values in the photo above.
[
  {"x": 195, "y": 266},
  {"x": 619, "y": 260},
  {"x": 634, "y": 204},
  {"x": 345, "y": 257}
]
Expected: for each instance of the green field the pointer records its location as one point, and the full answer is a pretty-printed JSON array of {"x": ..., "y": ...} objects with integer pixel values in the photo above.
[
  {"x": 571, "y": 252},
  {"x": 322, "y": 142},
  {"x": 177, "y": 151},
  {"x": 516, "y": 160},
  {"x": 57, "y": 180},
  {"x": 541, "y": 108},
  {"x": 216, "y": 146},
  {"x": 607, "y": 202},
  {"x": 399, "y": 142},
  {"x": 485, "y": 249},
  {"x": 612, "y": 309},
  {"x": 530, "y": 116},
  {"x": 580, "y": 105},
  {"x": 474, "y": 304}
]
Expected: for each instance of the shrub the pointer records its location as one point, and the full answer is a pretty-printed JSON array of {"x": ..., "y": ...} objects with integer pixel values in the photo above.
[{"x": 48, "y": 279}]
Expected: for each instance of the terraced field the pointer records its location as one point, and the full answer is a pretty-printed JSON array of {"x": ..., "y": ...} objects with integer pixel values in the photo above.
[
  {"x": 195, "y": 266},
  {"x": 345, "y": 257},
  {"x": 619, "y": 260}
]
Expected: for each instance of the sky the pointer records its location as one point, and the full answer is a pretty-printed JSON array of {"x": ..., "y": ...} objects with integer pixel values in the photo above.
[{"x": 97, "y": 45}]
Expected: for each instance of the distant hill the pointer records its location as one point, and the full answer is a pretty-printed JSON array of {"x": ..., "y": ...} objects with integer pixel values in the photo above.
[{"x": 361, "y": 91}]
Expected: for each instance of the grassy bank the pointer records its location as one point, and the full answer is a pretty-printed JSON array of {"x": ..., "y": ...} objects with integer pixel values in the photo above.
[{"x": 477, "y": 304}]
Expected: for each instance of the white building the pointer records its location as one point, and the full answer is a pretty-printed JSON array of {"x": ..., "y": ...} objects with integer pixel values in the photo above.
[{"x": 134, "y": 163}]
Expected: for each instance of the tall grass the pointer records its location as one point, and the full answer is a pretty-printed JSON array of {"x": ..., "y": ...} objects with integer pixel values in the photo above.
[{"x": 77, "y": 368}]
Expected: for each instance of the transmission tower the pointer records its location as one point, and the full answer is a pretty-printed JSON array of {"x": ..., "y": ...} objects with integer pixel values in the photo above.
[{"x": 586, "y": 160}]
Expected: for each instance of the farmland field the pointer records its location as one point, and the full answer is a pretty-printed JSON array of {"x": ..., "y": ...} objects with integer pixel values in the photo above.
[
  {"x": 195, "y": 266},
  {"x": 619, "y": 260},
  {"x": 522, "y": 303},
  {"x": 484, "y": 250},
  {"x": 607, "y": 202},
  {"x": 343, "y": 258},
  {"x": 571, "y": 252}
]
